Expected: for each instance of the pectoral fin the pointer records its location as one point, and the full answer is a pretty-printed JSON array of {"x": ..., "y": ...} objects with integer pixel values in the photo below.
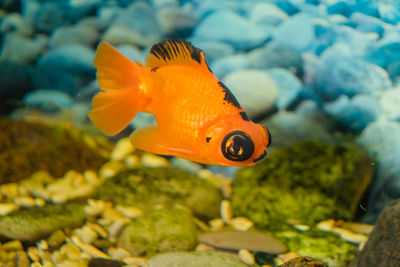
[{"x": 148, "y": 139}]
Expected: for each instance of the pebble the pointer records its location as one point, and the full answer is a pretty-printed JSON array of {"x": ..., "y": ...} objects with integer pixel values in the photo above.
[
  {"x": 326, "y": 225},
  {"x": 135, "y": 260},
  {"x": 118, "y": 253},
  {"x": 241, "y": 223},
  {"x": 255, "y": 90},
  {"x": 235, "y": 240},
  {"x": 360, "y": 228},
  {"x": 226, "y": 211},
  {"x": 122, "y": 149},
  {"x": 25, "y": 202},
  {"x": 246, "y": 256},
  {"x": 6, "y": 208},
  {"x": 111, "y": 168},
  {"x": 130, "y": 212},
  {"x": 216, "y": 224},
  {"x": 91, "y": 250},
  {"x": 151, "y": 160}
]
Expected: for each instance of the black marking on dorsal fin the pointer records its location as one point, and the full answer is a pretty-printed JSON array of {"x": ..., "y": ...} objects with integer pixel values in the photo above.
[
  {"x": 269, "y": 135},
  {"x": 244, "y": 116},
  {"x": 170, "y": 49},
  {"x": 229, "y": 97},
  {"x": 154, "y": 69}
]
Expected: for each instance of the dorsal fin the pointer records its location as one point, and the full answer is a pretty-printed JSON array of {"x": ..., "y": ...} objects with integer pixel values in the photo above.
[{"x": 175, "y": 52}]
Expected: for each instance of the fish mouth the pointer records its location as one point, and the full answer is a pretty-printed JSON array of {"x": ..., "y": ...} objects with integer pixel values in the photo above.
[{"x": 263, "y": 155}]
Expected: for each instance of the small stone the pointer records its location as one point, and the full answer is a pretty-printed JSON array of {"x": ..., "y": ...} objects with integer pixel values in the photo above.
[
  {"x": 130, "y": 212},
  {"x": 288, "y": 256},
  {"x": 6, "y": 208},
  {"x": 24, "y": 202},
  {"x": 56, "y": 239},
  {"x": 241, "y": 223},
  {"x": 202, "y": 247},
  {"x": 216, "y": 224},
  {"x": 350, "y": 236},
  {"x": 356, "y": 227},
  {"x": 252, "y": 241},
  {"x": 150, "y": 160},
  {"x": 86, "y": 234},
  {"x": 135, "y": 261},
  {"x": 110, "y": 169},
  {"x": 12, "y": 246},
  {"x": 89, "y": 249},
  {"x": 195, "y": 259},
  {"x": 304, "y": 262},
  {"x": 326, "y": 225},
  {"x": 246, "y": 256},
  {"x": 122, "y": 149},
  {"x": 226, "y": 211},
  {"x": 118, "y": 253}
]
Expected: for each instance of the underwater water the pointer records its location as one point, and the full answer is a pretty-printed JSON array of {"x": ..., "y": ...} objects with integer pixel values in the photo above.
[{"x": 321, "y": 75}]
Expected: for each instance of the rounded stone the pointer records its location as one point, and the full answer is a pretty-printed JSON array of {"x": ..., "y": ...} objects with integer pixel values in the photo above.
[
  {"x": 255, "y": 90},
  {"x": 236, "y": 240}
]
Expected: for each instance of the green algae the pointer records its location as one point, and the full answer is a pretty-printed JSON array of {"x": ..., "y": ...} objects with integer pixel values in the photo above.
[
  {"x": 34, "y": 223},
  {"x": 27, "y": 147},
  {"x": 147, "y": 187},
  {"x": 160, "y": 230},
  {"x": 326, "y": 246},
  {"x": 307, "y": 182}
]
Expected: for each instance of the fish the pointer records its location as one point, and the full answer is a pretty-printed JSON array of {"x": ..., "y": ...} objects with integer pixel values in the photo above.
[{"x": 197, "y": 116}]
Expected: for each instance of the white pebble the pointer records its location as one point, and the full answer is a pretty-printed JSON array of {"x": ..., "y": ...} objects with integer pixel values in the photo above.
[
  {"x": 150, "y": 160},
  {"x": 326, "y": 225},
  {"x": 110, "y": 168},
  {"x": 118, "y": 253},
  {"x": 129, "y": 211},
  {"x": 350, "y": 236},
  {"x": 42, "y": 245},
  {"x": 89, "y": 249},
  {"x": 115, "y": 228},
  {"x": 40, "y": 202},
  {"x": 241, "y": 223},
  {"x": 226, "y": 211},
  {"x": 26, "y": 202},
  {"x": 135, "y": 260},
  {"x": 91, "y": 177},
  {"x": 216, "y": 224},
  {"x": 203, "y": 247},
  {"x": 100, "y": 230},
  {"x": 132, "y": 161},
  {"x": 6, "y": 208},
  {"x": 122, "y": 149},
  {"x": 86, "y": 234},
  {"x": 246, "y": 256}
]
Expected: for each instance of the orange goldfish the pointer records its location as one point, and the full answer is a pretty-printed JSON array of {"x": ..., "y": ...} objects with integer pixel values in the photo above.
[{"x": 198, "y": 118}]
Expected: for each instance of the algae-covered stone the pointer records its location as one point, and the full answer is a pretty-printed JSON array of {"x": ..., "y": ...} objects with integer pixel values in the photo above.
[
  {"x": 34, "y": 223},
  {"x": 160, "y": 230},
  {"x": 196, "y": 259},
  {"x": 146, "y": 187},
  {"x": 326, "y": 246},
  {"x": 304, "y": 262},
  {"x": 307, "y": 182}
]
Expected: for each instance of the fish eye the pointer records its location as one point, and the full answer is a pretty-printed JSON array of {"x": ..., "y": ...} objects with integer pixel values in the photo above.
[{"x": 237, "y": 146}]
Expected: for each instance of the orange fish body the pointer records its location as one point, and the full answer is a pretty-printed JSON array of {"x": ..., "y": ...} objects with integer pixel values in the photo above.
[{"x": 197, "y": 116}]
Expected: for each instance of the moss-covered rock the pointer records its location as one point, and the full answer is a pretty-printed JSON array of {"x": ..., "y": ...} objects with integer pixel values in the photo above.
[
  {"x": 146, "y": 187},
  {"x": 160, "y": 230},
  {"x": 304, "y": 262},
  {"x": 29, "y": 147},
  {"x": 196, "y": 259},
  {"x": 326, "y": 246},
  {"x": 307, "y": 182},
  {"x": 34, "y": 223}
]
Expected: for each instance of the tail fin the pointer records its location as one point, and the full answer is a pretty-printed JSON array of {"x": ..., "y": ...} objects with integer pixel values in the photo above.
[{"x": 119, "y": 101}]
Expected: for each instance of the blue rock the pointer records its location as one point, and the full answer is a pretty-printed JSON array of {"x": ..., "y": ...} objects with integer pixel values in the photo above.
[
  {"x": 390, "y": 102},
  {"x": 213, "y": 49},
  {"x": 51, "y": 15},
  {"x": 143, "y": 120},
  {"x": 204, "y": 8},
  {"x": 389, "y": 12},
  {"x": 74, "y": 34},
  {"x": 176, "y": 22},
  {"x": 136, "y": 25},
  {"x": 368, "y": 7},
  {"x": 365, "y": 23},
  {"x": 15, "y": 81},
  {"x": 225, "y": 65},
  {"x": 340, "y": 73},
  {"x": 394, "y": 71},
  {"x": 380, "y": 140},
  {"x": 297, "y": 31},
  {"x": 289, "y": 86},
  {"x": 66, "y": 68},
  {"x": 48, "y": 100},
  {"x": 356, "y": 113},
  {"x": 287, "y": 6},
  {"x": 227, "y": 26},
  {"x": 275, "y": 55},
  {"x": 340, "y": 7},
  {"x": 15, "y": 23},
  {"x": 385, "y": 54},
  {"x": 20, "y": 49},
  {"x": 265, "y": 14},
  {"x": 288, "y": 127},
  {"x": 360, "y": 43},
  {"x": 312, "y": 110},
  {"x": 132, "y": 53}
]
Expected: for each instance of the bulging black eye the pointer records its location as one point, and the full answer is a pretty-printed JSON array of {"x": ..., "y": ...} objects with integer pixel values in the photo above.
[{"x": 237, "y": 146}]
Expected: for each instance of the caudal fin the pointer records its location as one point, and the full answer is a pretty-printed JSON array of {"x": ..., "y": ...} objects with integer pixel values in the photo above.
[{"x": 119, "y": 101}]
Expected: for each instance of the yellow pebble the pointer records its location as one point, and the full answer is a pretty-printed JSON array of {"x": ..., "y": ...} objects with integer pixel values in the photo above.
[
  {"x": 241, "y": 223},
  {"x": 246, "y": 256},
  {"x": 150, "y": 160},
  {"x": 226, "y": 211}
]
